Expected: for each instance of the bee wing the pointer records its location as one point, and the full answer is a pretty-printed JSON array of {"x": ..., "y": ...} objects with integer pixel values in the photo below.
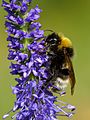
[{"x": 71, "y": 72}]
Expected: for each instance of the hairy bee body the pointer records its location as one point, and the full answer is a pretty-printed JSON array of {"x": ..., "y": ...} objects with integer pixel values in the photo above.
[{"x": 60, "y": 52}]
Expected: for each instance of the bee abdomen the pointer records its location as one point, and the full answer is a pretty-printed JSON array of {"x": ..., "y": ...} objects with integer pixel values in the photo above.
[{"x": 65, "y": 71}]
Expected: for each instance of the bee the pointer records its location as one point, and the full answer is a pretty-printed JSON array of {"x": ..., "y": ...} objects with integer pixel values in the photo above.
[{"x": 60, "y": 52}]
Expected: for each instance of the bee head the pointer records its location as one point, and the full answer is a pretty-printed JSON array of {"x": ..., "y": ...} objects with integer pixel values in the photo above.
[
  {"x": 52, "y": 41},
  {"x": 57, "y": 42}
]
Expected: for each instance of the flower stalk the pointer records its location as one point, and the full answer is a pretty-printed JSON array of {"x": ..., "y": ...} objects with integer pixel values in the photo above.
[{"x": 28, "y": 51}]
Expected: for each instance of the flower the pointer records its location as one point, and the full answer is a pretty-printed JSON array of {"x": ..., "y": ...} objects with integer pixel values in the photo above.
[{"x": 31, "y": 64}]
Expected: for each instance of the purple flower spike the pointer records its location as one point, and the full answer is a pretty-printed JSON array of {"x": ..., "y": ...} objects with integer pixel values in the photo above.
[
  {"x": 33, "y": 14},
  {"x": 27, "y": 50}
]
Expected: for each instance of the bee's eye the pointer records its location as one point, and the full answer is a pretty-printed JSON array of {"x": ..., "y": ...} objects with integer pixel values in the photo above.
[{"x": 53, "y": 41}]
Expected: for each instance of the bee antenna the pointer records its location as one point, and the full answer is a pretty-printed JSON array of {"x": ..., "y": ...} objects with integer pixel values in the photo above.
[{"x": 48, "y": 30}]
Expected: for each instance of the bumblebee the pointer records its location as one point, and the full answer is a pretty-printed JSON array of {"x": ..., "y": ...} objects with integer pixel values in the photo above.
[{"x": 60, "y": 52}]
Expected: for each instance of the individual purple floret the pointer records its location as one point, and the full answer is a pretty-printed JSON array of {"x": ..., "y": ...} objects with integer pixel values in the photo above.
[{"x": 27, "y": 49}]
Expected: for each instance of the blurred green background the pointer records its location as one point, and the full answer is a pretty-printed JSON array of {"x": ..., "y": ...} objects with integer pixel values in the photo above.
[{"x": 72, "y": 17}]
